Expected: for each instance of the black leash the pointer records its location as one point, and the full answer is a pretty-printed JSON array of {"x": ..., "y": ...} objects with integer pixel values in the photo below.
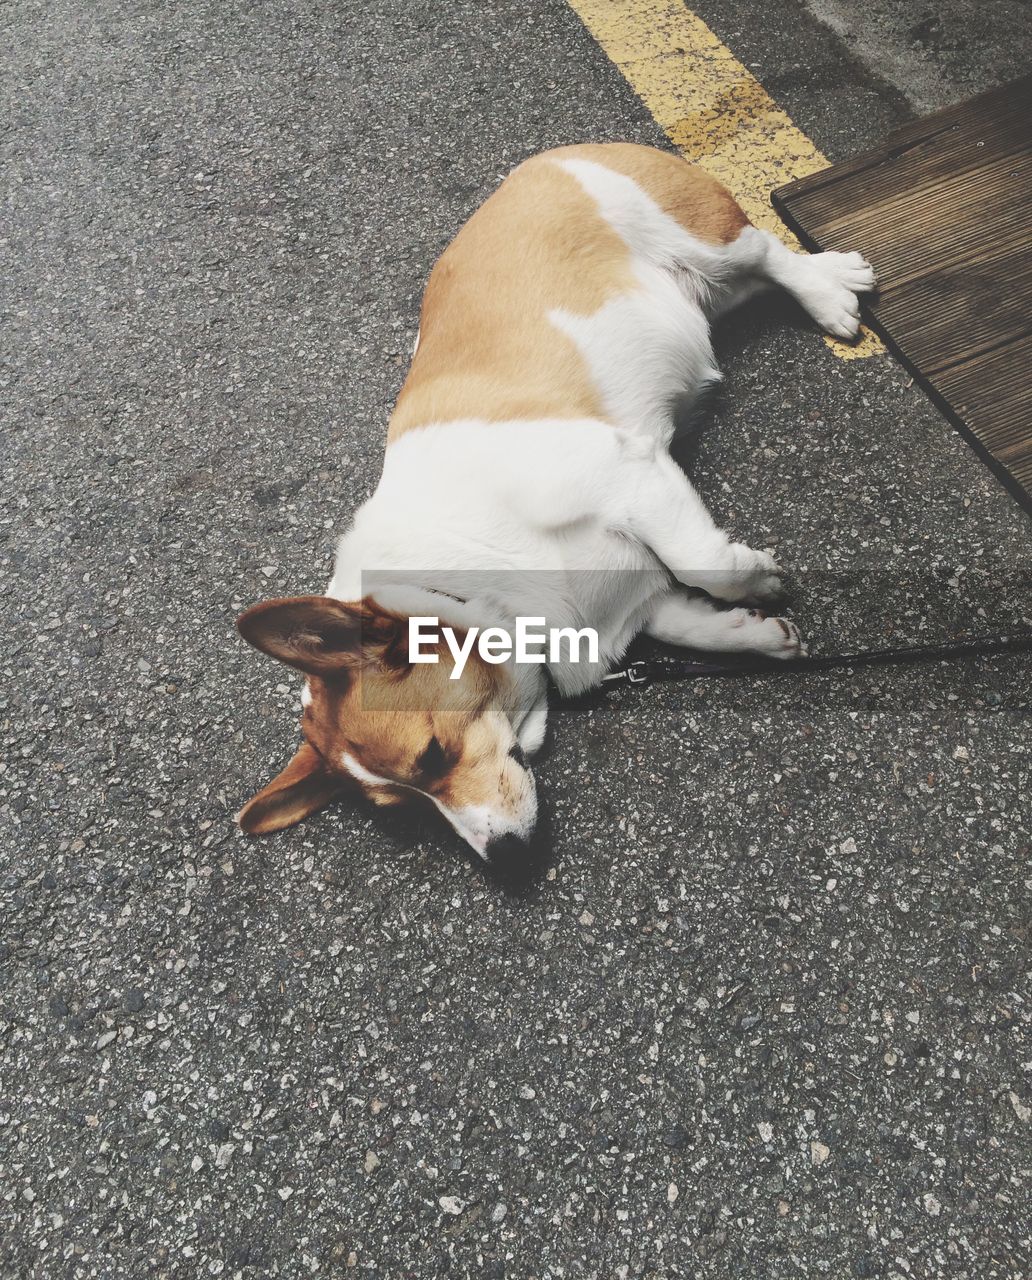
[{"x": 646, "y": 671}]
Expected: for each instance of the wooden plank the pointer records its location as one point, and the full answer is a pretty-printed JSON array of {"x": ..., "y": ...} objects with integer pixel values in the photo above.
[
  {"x": 1002, "y": 426},
  {"x": 939, "y": 146},
  {"x": 943, "y": 209},
  {"x": 920, "y": 240},
  {"x": 963, "y": 310}
]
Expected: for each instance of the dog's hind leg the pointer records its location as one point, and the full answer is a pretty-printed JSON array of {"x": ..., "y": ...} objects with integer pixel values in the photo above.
[
  {"x": 826, "y": 285},
  {"x": 697, "y": 623}
]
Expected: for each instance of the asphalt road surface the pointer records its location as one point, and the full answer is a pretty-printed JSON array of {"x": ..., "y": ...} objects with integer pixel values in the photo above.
[{"x": 764, "y": 1018}]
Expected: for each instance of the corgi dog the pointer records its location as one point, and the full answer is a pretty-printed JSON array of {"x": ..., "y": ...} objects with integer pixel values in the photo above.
[{"x": 527, "y": 474}]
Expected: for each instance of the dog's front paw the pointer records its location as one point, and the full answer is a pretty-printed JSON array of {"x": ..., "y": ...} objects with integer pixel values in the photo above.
[
  {"x": 787, "y": 642},
  {"x": 760, "y": 575},
  {"x": 773, "y": 637},
  {"x": 748, "y": 577}
]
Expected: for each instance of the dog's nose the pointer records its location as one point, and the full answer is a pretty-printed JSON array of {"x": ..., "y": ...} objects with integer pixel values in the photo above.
[{"x": 512, "y": 858}]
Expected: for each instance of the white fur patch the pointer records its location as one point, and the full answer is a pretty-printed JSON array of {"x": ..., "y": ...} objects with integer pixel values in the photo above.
[
  {"x": 361, "y": 774},
  {"x": 650, "y": 346}
]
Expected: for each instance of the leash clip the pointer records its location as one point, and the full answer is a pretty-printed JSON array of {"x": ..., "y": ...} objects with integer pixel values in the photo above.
[{"x": 634, "y": 673}]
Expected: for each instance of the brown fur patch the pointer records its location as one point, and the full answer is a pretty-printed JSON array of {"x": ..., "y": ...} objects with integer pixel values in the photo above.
[
  {"x": 417, "y": 728},
  {"x": 487, "y": 348},
  {"x": 702, "y": 205},
  {"x": 409, "y": 724},
  {"x": 303, "y": 787},
  {"x": 385, "y": 717}
]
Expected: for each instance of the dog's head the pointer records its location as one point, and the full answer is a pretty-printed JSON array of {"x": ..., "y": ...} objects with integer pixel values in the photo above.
[{"x": 394, "y": 731}]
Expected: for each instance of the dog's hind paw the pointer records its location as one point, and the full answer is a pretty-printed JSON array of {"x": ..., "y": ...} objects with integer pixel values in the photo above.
[{"x": 830, "y": 291}]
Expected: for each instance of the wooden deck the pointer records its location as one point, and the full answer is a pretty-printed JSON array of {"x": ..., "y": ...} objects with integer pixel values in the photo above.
[{"x": 943, "y": 210}]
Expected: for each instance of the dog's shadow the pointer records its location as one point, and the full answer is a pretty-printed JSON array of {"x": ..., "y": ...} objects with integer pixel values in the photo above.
[{"x": 733, "y": 335}]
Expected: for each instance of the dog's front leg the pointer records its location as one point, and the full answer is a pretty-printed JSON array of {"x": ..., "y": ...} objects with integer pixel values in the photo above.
[
  {"x": 698, "y": 623},
  {"x": 669, "y": 517}
]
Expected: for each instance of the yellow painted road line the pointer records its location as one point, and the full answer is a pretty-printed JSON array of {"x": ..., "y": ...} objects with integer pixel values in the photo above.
[{"x": 712, "y": 109}]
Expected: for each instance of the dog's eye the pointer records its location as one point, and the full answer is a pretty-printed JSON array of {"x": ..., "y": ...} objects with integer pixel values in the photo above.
[{"x": 433, "y": 760}]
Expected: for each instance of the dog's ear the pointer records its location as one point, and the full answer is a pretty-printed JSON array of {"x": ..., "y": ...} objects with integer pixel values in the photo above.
[
  {"x": 322, "y": 636},
  {"x": 304, "y": 787}
]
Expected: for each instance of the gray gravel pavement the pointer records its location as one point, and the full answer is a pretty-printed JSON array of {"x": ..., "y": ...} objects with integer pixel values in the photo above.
[{"x": 765, "y": 1017}]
